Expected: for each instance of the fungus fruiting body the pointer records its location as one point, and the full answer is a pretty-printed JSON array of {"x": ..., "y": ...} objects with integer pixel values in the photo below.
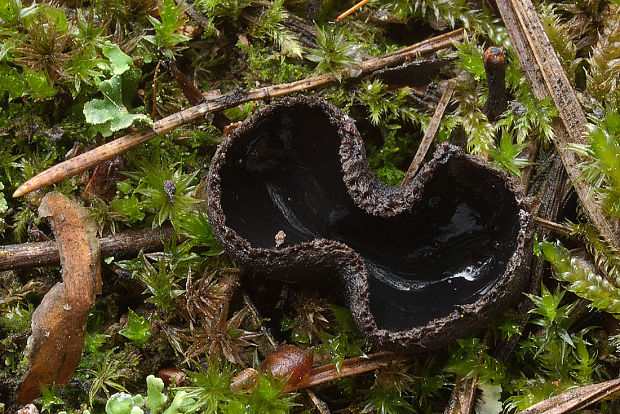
[
  {"x": 418, "y": 265},
  {"x": 495, "y": 63}
]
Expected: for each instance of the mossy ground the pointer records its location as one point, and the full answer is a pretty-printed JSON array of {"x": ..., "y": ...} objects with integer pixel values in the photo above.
[{"x": 75, "y": 74}]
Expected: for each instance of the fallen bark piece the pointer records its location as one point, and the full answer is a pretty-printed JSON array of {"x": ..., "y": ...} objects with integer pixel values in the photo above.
[
  {"x": 59, "y": 322},
  {"x": 575, "y": 399}
]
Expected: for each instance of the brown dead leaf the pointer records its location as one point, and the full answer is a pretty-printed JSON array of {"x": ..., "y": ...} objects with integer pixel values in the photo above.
[
  {"x": 103, "y": 181},
  {"x": 59, "y": 322},
  {"x": 575, "y": 399}
]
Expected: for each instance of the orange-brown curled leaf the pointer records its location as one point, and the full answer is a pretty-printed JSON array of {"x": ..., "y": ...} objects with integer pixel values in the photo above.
[
  {"x": 288, "y": 362},
  {"x": 59, "y": 322}
]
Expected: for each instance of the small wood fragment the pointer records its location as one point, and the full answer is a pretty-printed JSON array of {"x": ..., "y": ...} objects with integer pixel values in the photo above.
[
  {"x": 463, "y": 395},
  {"x": 430, "y": 132},
  {"x": 575, "y": 399},
  {"x": 190, "y": 91},
  {"x": 529, "y": 153},
  {"x": 103, "y": 181},
  {"x": 59, "y": 322},
  {"x": 280, "y": 238},
  {"x": 111, "y": 149},
  {"x": 28, "y": 409},
  {"x": 417, "y": 74},
  {"x": 318, "y": 403},
  {"x": 172, "y": 376},
  {"x": 193, "y": 14},
  {"x": 245, "y": 380}
]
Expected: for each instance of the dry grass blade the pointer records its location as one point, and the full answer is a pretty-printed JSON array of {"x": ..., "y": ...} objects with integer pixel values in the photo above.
[
  {"x": 430, "y": 132},
  {"x": 547, "y": 78},
  {"x": 575, "y": 399},
  {"x": 59, "y": 322},
  {"x": 89, "y": 159},
  {"x": 352, "y": 9}
]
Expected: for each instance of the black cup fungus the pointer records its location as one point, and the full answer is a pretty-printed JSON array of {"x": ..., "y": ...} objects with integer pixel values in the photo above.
[{"x": 291, "y": 196}]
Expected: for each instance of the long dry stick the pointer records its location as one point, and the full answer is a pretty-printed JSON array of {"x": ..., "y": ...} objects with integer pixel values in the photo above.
[
  {"x": 547, "y": 78},
  {"x": 91, "y": 158},
  {"x": 430, "y": 132},
  {"x": 25, "y": 255}
]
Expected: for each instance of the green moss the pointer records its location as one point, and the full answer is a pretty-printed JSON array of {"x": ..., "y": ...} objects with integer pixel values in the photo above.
[{"x": 60, "y": 67}]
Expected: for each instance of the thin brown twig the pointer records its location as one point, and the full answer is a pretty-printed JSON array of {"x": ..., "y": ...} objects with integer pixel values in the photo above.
[
  {"x": 430, "y": 132},
  {"x": 27, "y": 255},
  {"x": 154, "y": 111},
  {"x": 111, "y": 149},
  {"x": 553, "y": 226}
]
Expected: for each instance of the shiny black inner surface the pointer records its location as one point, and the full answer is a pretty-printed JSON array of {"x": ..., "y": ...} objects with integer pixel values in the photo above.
[{"x": 448, "y": 250}]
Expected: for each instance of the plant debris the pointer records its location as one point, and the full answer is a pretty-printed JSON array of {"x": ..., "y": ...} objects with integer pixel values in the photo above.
[
  {"x": 495, "y": 63},
  {"x": 59, "y": 322},
  {"x": 121, "y": 107}
]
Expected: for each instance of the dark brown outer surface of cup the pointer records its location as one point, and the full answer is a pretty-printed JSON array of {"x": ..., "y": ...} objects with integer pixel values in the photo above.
[{"x": 418, "y": 266}]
